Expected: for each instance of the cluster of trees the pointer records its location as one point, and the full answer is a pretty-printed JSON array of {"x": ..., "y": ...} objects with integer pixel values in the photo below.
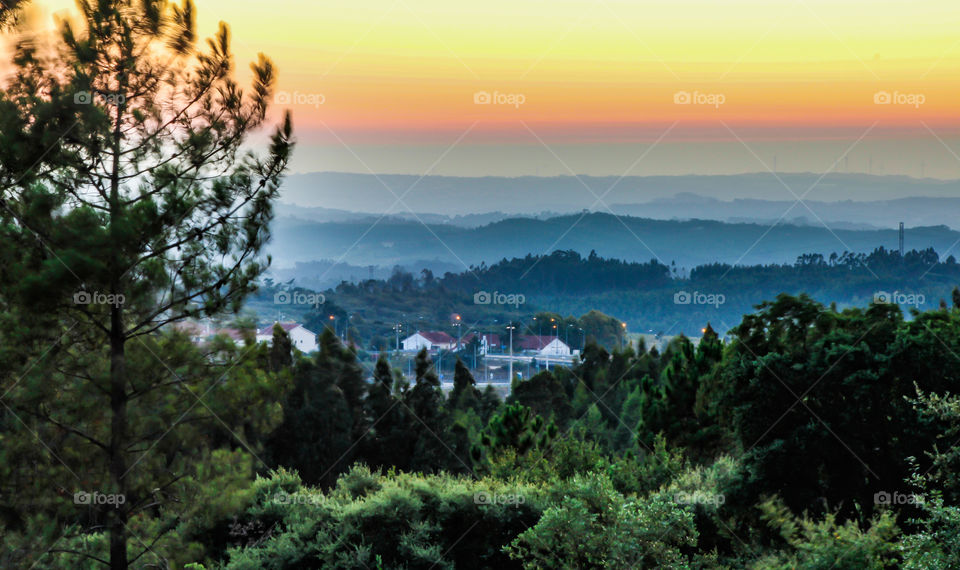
[
  {"x": 814, "y": 438},
  {"x": 641, "y": 294}
]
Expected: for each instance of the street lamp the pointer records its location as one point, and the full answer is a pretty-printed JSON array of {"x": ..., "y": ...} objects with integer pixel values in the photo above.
[
  {"x": 623, "y": 333},
  {"x": 396, "y": 328},
  {"x": 457, "y": 324},
  {"x": 510, "y": 328}
]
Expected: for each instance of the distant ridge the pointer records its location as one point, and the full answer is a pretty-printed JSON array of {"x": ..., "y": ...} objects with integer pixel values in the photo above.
[
  {"x": 530, "y": 195},
  {"x": 394, "y": 241}
]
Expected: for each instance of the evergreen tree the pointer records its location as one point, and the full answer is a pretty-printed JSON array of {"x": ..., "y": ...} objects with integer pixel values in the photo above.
[
  {"x": 134, "y": 202},
  {"x": 428, "y": 418},
  {"x": 464, "y": 395},
  {"x": 389, "y": 444},
  {"x": 281, "y": 349}
]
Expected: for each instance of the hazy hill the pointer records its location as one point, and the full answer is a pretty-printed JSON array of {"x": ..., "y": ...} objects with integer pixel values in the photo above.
[
  {"x": 453, "y": 196},
  {"x": 391, "y": 242}
]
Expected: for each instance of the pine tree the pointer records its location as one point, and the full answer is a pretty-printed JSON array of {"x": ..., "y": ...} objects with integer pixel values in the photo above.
[
  {"x": 281, "y": 349},
  {"x": 428, "y": 420},
  {"x": 134, "y": 202},
  {"x": 464, "y": 395}
]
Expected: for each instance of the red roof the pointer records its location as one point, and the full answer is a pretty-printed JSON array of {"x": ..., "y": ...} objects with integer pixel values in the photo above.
[
  {"x": 492, "y": 339},
  {"x": 437, "y": 337},
  {"x": 535, "y": 342}
]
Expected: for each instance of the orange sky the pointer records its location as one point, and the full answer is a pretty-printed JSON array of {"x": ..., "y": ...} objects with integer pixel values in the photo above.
[{"x": 364, "y": 77}]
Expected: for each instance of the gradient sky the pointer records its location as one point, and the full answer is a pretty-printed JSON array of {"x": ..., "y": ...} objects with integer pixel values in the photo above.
[{"x": 598, "y": 78}]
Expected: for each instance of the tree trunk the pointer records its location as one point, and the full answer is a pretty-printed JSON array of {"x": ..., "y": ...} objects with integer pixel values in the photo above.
[
  {"x": 118, "y": 361},
  {"x": 118, "y": 434}
]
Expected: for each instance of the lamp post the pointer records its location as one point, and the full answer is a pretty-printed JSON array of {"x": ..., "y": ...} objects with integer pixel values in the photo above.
[
  {"x": 456, "y": 323},
  {"x": 396, "y": 328},
  {"x": 333, "y": 322},
  {"x": 623, "y": 333},
  {"x": 510, "y": 328}
]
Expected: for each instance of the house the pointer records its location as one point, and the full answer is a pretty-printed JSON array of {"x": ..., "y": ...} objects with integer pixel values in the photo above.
[
  {"x": 431, "y": 340},
  {"x": 302, "y": 338},
  {"x": 488, "y": 342},
  {"x": 544, "y": 345}
]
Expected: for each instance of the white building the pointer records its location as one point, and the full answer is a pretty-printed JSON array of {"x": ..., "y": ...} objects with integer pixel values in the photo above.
[
  {"x": 430, "y": 340},
  {"x": 544, "y": 345},
  {"x": 302, "y": 338}
]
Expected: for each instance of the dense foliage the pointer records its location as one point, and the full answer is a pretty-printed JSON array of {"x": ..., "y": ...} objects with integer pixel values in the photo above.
[{"x": 814, "y": 438}]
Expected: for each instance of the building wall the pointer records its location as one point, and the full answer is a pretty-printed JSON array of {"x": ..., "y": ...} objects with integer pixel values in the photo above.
[
  {"x": 303, "y": 340},
  {"x": 555, "y": 348},
  {"x": 415, "y": 343}
]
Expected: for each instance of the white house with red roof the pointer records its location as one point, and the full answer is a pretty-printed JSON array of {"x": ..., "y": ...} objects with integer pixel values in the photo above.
[
  {"x": 544, "y": 345},
  {"x": 302, "y": 338},
  {"x": 431, "y": 340}
]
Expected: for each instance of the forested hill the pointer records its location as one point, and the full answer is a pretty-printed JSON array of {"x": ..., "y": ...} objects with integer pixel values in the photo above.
[
  {"x": 389, "y": 242},
  {"x": 648, "y": 296}
]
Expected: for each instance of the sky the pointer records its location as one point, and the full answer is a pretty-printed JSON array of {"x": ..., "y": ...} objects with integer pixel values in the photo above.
[{"x": 609, "y": 87}]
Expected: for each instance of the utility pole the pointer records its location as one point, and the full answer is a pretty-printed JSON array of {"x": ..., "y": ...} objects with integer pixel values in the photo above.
[
  {"x": 510, "y": 328},
  {"x": 901, "y": 239}
]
